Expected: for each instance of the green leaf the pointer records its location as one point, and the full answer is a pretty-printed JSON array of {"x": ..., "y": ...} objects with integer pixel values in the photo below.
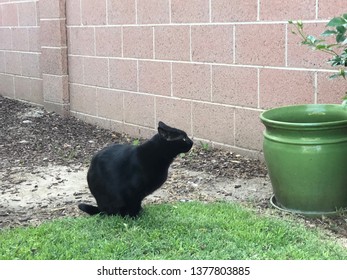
[
  {"x": 136, "y": 142},
  {"x": 311, "y": 39},
  {"x": 344, "y": 16},
  {"x": 337, "y": 21},
  {"x": 300, "y": 24},
  {"x": 340, "y": 38},
  {"x": 321, "y": 47},
  {"x": 334, "y": 76},
  {"x": 341, "y": 73},
  {"x": 331, "y": 45},
  {"x": 328, "y": 33},
  {"x": 341, "y": 29},
  {"x": 336, "y": 61}
]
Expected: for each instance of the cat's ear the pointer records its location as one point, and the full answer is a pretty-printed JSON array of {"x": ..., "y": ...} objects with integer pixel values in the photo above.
[
  {"x": 163, "y": 132},
  {"x": 168, "y": 133},
  {"x": 162, "y": 125}
]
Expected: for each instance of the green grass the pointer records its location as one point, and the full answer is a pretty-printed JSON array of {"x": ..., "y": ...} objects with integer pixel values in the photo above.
[{"x": 171, "y": 231}]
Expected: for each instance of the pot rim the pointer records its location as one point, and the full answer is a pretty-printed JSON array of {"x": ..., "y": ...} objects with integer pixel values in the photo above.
[{"x": 340, "y": 107}]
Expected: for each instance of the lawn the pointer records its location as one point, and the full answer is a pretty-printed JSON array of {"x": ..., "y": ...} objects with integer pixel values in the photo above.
[{"x": 186, "y": 230}]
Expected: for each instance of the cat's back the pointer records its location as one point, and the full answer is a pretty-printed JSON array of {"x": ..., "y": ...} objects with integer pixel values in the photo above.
[
  {"x": 113, "y": 154},
  {"x": 112, "y": 165}
]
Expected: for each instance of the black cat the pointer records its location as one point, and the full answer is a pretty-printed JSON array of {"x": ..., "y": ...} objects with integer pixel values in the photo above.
[{"x": 121, "y": 176}]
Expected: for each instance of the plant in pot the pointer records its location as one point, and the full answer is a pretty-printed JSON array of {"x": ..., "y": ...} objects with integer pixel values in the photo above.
[{"x": 305, "y": 146}]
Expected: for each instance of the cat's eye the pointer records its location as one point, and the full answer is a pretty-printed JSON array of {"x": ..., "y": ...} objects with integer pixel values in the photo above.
[{"x": 184, "y": 139}]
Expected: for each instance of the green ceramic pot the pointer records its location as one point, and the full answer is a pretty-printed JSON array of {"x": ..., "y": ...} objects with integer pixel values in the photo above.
[{"x": 305, "y": 149}]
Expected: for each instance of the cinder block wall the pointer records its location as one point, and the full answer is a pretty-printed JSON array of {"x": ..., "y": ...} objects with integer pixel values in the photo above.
[
  {"x": 20, "y": 51},
  {"x": 209, "y": 67}
]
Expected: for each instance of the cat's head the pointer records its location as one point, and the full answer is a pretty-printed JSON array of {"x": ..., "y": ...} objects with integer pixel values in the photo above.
[{"x": 177, "y": 137}]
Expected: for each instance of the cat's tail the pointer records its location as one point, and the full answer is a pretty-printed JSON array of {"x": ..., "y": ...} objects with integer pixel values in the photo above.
[{"x": 89, "y": 209}]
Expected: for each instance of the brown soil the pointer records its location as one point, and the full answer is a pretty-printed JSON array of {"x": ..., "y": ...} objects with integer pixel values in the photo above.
[{"x": 44, "y": 160}]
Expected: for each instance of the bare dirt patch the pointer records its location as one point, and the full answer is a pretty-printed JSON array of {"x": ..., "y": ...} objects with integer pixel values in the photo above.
[
  {"x": 44, "y": 161},
  {"x": 30, "y": 197}
]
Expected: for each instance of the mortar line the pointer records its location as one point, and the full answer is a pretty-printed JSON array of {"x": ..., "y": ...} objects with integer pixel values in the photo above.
[
  {"x": 210, "y": 8},
  {"x": 286, "y": 46},
  {"x": 315, "y": 88},
  {"x": 266, "y": 22},
  {"x": 258, "y": 88}
]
